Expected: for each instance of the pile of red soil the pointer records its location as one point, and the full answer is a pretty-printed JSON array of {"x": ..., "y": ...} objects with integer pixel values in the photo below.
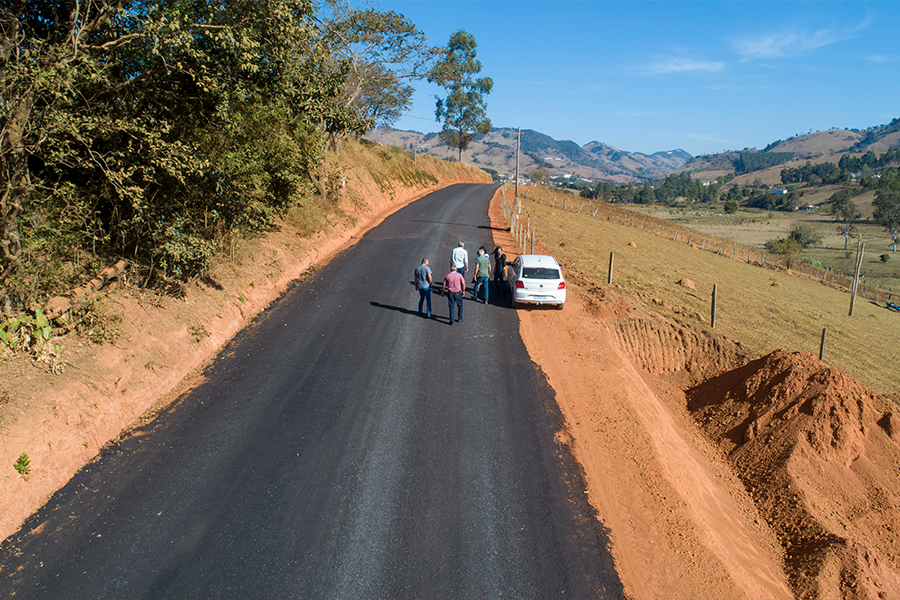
[{"x": 819, "y": 454}]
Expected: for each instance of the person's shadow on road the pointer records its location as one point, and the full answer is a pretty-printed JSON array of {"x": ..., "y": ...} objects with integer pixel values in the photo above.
[{"x": 408, "y": 311}]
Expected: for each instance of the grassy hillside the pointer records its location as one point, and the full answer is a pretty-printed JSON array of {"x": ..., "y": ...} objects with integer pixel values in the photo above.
[
  {"x": 754, "y": 227},
  {"x": 758, "y": 307},
  {"x": 816, "y": 147}
]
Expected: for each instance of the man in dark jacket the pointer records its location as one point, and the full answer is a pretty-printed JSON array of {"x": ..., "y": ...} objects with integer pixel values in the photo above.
[{"x": 499, "y": 270}]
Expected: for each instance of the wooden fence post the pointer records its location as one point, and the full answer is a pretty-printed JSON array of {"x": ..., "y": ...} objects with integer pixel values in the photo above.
[
  {"x": 822, "y": 345},
  {"x": 713, "y": 310},
  {"x": 609, "y": 276},
  {"x": 860, "y": 249}
]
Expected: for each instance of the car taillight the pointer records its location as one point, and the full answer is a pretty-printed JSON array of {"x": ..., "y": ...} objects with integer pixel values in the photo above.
[
  {"x": 562, "y": 285},
  {"x": 519, "y": 284}
]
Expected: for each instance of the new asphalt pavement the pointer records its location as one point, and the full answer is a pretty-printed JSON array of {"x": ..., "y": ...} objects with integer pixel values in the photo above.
[{"x": 341, "y": 446}]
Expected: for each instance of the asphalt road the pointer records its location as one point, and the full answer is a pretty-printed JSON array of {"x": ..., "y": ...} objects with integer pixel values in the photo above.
[{"x": 341, "y": 446}]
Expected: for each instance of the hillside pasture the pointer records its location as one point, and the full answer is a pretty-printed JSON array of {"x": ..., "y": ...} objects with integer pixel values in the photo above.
[
  {"x": 761, "y": 308},
  {"x": 754, "y": 227}
]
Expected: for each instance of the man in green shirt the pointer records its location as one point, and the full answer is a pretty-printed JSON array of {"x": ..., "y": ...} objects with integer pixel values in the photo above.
[{"x": 482, "y": 274}]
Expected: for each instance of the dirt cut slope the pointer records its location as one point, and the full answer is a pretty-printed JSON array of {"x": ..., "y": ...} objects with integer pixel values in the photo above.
[
  {"x": 819, "y": 454},
  {"x": 682, "y": 355}
]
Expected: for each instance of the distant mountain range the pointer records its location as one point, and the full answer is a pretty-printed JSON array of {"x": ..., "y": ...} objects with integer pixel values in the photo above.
[
  {"x": 597, "y": 161},
  {"x": 497, "y": 151}
]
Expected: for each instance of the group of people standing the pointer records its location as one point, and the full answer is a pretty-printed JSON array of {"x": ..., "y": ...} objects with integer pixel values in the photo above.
[{"x": 455, "y": 281}]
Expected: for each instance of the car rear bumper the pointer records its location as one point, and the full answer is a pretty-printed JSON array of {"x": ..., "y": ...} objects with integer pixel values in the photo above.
[{"x": 526, "y": 298}]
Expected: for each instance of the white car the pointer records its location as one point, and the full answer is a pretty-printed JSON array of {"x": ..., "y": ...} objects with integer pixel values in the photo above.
[{"x": 536, "y": 279}]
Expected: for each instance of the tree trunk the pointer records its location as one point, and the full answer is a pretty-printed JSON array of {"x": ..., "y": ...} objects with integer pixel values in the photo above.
[{"x": 17, "y": 186}]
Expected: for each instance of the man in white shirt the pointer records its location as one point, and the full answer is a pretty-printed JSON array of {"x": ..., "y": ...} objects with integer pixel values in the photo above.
[{"x": 460, "y": 258}]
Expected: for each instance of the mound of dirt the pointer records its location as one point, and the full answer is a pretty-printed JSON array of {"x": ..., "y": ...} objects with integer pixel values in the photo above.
[
  {"x": 683, "y": 355},
  {"x": 813, "y": 448}
]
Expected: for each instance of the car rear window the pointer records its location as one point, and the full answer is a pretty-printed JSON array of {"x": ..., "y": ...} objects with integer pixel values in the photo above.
[{"x": 540, "y": 273}]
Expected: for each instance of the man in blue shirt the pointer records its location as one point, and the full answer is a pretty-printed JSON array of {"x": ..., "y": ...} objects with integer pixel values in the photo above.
[{"x": 423, "y": 284}]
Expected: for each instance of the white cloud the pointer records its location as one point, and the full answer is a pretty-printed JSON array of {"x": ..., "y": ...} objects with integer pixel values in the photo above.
[
  {"x": 792, "y": 43},
  {"x": 683, "y": 65},
  {"x": 881, "y": 58}
]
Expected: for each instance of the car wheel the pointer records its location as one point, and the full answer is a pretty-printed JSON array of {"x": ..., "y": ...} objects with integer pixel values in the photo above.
[{"x": 560, "y": 306}]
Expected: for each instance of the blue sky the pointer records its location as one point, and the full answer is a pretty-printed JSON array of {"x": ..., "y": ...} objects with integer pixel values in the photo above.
[{"x": 652, "y": 76}]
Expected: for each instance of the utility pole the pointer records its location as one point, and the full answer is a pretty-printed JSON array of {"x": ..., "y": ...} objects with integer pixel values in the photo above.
[{"x": 518, "y": 143}]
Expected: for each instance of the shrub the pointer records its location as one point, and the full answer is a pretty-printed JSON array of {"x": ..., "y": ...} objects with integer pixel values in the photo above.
[
  {"x": 25, "y": 332},
  {"x": 22, "y": 465},
  {"x": 805, "y": 235},
  {"x": 787, "y": 248}
]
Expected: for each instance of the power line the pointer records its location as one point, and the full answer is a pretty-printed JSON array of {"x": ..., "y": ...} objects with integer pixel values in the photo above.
[{"x": 420, "y": 118}]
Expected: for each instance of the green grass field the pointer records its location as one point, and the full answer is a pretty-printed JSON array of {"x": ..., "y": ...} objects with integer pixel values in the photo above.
[{"x": 761, "y": 308}]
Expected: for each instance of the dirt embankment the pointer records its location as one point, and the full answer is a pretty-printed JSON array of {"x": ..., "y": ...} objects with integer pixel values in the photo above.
[
  {"x": 62, "y": 419},
  {"x": 720, "y": 474}
]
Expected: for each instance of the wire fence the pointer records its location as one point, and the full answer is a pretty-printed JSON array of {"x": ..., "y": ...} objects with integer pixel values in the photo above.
[{"x": 521, "y": 229}]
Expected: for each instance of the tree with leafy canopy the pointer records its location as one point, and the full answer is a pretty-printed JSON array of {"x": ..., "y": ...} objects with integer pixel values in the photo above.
[
  {"x": 385, "y": 50},
  {"x": 147, "y": 129},
  {"x": 540, "y": 175},
  {"x": 464, "y": 110},
  {"x": 801, "y": 237},
  {"x": 805, "y": 235},
  {"x": 845, "y": 213},
  {"x": 887, "y": 204},
  {"x": 787, "y": 248}
]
